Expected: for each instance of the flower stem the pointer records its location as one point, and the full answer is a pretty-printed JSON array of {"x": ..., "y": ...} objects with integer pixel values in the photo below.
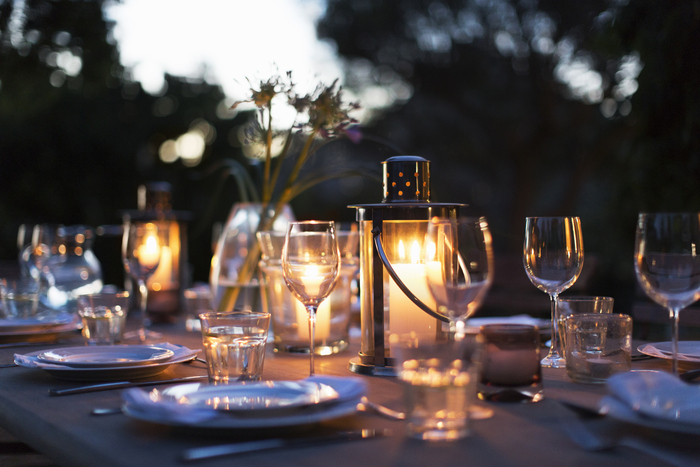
[{"x": 267, "y": 188}]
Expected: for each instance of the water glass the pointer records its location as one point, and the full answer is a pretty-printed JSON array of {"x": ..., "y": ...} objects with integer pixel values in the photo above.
[
  {"x": 598, "y": 346},
  {"x": 510, "y": 364},
  {"x": 19, "y": 298},
  {"x": 439, "y": 384},
  {"x": 234, "y": 344},
  {"x": 103, "y": 316}
]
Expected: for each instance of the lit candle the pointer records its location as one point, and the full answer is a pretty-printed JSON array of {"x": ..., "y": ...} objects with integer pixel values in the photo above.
[
  {"x": 163, "y": 274},
  {"x": 404, "y": 315},
  {"x": 323, "y": 321},
  {"x": 149, "y": 251},
  {"x": 312, "y": 283}
]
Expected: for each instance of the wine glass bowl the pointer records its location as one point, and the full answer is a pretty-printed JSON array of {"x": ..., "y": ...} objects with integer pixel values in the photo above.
[
  {"x": 553, "y": 260},
  {"x": 667, "y": 264},
  {"x": 310, "y": 266},
  {"x": 141, "y": 252},
  {"x": 458, "y": 261}
]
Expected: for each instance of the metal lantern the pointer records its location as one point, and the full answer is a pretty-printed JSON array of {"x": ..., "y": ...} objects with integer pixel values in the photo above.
[
  {"x": 171, "y": 276},
  {"x": 394, "y": 296}
]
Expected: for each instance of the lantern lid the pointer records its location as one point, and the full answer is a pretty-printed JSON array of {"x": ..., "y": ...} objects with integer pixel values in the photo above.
[
  {"x": 406, "y": 186},
  {"x": 405, "y": 179}
]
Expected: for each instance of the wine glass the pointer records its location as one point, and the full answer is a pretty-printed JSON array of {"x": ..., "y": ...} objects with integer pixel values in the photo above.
[
  {"x": 141, "y": 250},
  {"x": 667, "y": 263},
  {"x": 458, "y": 261},
  {"x": 459, "y": 267},
  {"x": 310, "y": 265},
  {"x": 41, "y": 256},
  {"x": 553, "y": 259}
]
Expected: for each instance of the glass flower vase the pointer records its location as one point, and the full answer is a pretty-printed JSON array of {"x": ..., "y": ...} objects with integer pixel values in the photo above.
[{"x": 235, "y": 277}]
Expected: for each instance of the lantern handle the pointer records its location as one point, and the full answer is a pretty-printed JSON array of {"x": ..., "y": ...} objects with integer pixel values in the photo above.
[{"x": 376, "y": 233}]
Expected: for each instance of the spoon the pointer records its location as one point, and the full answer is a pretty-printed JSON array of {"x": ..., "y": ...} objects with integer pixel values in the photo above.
[
  {"x": 106, "y": 411},
  {"x": 689, "y": 376},
  {"x": 366, "y": 406}
]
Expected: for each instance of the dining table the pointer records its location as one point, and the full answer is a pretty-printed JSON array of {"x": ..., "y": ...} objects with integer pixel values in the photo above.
[{"x": 551, "y": 432}]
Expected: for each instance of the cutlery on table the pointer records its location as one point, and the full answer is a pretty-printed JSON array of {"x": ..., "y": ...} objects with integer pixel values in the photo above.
[
  {"x": 119, "y": 385},
  {"x": 366, "y": 406},
  {"x": 210, "y": 452}
]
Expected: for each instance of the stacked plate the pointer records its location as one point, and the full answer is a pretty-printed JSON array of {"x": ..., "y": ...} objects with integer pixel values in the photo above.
[
  {"x": 39, "y": 329},
  {"x": 688, "y": 351},
  {"x": 473, "y": 324},
  {"x": 246, "y": 405},
  {"x": 107, "y": 363}
]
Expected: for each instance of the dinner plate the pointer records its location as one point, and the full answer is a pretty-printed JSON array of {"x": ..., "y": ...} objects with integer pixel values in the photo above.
[
  {"x": 113, "y": 356},
  {"x": 618, "y": 410},
  {"x": 164, "y": 410},
  {"x": 688, "y": 351},
  {"x": 180, "y": 354},
  {"x": 261, "y": 397},
  {"x": 48, "y": 334},
  {"x": 41, "y": 323}
]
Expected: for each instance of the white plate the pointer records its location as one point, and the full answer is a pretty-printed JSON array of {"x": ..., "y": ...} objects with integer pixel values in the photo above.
[
  {"x": 621, "y": 411},
  {"x": 26, "y": 325},
  {"x": 265, "y": 396},
  {"x": 688, "y": 351},
  {"x": 113, "y": 356},
  {"x": 140, "y": 405},
  {"x": 181, "y": 354},
  {"x": 48, "y": 334}
]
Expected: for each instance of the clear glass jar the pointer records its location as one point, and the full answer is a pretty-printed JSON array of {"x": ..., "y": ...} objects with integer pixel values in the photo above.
[{"x": 72, "y": 269}]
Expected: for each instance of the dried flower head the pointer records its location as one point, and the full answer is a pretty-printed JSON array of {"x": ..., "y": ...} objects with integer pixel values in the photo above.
[
  {"x": 326, "y": 111},
  {"x": 262, "y": 96}
]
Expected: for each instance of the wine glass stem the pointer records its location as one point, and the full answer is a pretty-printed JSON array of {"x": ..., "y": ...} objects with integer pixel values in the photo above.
[
  {"x": 555, "y": 348},
  {"x": 143, "y": 293},
  {"x": 312, "y": 336},
  {"x": 674, "y": 344}
]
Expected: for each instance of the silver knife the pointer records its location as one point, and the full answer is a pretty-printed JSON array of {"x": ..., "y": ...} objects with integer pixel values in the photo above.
[
  {"x": 119, "y": 385},
  {"x": 210, "y": 452}
]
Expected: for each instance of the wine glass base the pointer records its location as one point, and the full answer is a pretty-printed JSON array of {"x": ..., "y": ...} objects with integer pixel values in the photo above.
[
  {"x": 142, "y": 336},
  {"x": 553, "y": 361}
]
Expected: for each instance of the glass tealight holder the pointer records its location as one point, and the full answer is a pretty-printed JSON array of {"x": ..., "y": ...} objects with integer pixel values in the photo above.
[
  {"x": 598, "y": 345},
  {"x": 289, "y": 317},
  {"x": 19, "y": 298},
  {"x": 510, "y": 364}
]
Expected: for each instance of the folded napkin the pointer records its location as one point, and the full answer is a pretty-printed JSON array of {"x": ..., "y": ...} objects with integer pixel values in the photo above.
[
  {"x": 657, "y": 394},
  {"x": 167, "y": 411},
  {"x": 180, "y": 354}
]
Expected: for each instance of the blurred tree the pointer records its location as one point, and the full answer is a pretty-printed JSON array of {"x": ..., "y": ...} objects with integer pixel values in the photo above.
[
  {"x": 78, "y": 135},
  {"x": 541, "y": 108}
]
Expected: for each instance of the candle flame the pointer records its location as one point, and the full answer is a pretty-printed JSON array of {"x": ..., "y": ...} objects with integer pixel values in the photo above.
[
  {"x": 402, "y": 251},
  {"x": 415, "y": 252},
  {"x": 432, "y": 250},
  {"x": 152, "y": 245}
]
